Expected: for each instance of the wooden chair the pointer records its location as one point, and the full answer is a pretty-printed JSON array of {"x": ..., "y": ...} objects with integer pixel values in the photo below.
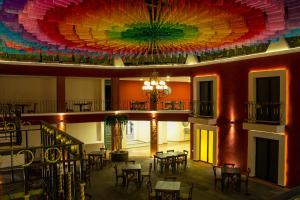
[
  {"x": 131, "y": 177},
  {"x": 187, "y": 196},
  {"x": 88, "y": 106},
  {"x": 170, "y": 178},
  {"x": 229, "y": 165},
  {"x": 118, "y": 175},
  {"x": 217, "y": 174},
  {"x": 107, "y": 159},
  {"x": 230, "y": 179},
  {"x": 130, "y": 162},
  {"x": 167, "y": 195},
  {"x": 186, "y": 155},
  {"x": 151, "y": 194},
  {"x": 147, "y": 174},
  {"x": 32, "y": 108},
  {"x": 170, "y": 150},
  {"x": 87, "y": 174},
  {"x": 245, "y": 178},
  {"x": 170, "y": 162},
  {"x": 68, "y": 109},
  {"x": 158, "y": 161},
  {"x": 180, "y": 163}
]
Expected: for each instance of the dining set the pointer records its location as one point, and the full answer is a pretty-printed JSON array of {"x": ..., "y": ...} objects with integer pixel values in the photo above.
[
  {"x": 130, "y": 171},
  {"x": 231, "y": 176},
  {"x": 170, "y": 161},
  {"x": 169, "y": 189}
]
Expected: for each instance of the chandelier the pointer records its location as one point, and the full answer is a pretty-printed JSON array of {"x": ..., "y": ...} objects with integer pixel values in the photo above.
[{"x": 155, "y": 88}]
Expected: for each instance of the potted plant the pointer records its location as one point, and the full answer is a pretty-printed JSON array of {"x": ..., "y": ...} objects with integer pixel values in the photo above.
[{"x": 117, "y": 123}]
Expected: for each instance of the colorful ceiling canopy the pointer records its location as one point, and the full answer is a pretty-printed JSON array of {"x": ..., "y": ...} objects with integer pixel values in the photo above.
[{"x": 142, "y": 27}]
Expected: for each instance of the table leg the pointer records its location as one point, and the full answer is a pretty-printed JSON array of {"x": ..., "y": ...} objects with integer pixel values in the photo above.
[
  {"x": 101, "y": 162},
  {"x": 139, "y": 178},
  {"x": 223, "y": 183}
]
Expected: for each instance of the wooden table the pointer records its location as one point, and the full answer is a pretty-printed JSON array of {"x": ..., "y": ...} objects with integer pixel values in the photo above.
[
  {"x": 229, "y": 172},
  {"x": 164, "y": 156},
  {"x": 23, "y": 105},
  {"x": 167, "y": 188},
  {"x": 133, "y": 168},
  {"x": 94, "y": 155},
  {"x": 138, "y": 105},
  {"x": 81, "y": 105}
]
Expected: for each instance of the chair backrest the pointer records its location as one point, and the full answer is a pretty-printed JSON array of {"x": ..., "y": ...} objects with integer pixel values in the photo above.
[
  {"x": 217, "y": 170},
  {"x": 229, "y": 165},
  {"x": 191, "y": 191},
  {"x": 247, "y": 173},
  {"x": 159, "y": 152},
  {"x": 170, "y": 178},
  {"x": 150, "y": 168},
  {"x": 170, "y": 150},
  {"x": 116, "y": 169},
  {"x": 149, "y": 187},
  {"x": 185, "y": 152},
  {"x": 130, "y": 162}
]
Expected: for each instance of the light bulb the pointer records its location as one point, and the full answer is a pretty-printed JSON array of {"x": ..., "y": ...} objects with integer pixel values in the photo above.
[
  {"x": 146, "y": 83},
  {"x": 153, "y": 83},
  {"x": 162, "y": 83}
]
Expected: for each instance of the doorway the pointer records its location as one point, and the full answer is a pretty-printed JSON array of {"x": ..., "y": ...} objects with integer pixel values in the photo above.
[
  {"x": 205, "y": 145},
  {"x": 266, "y": 162}
]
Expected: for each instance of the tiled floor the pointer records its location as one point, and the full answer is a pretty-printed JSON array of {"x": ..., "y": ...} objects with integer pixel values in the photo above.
[
  {"x": 201, "y": 174},
  {"x": 145, "y": 150}
]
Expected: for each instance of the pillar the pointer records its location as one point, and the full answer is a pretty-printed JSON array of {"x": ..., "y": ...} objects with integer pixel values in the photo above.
[
  {"x": 153, "y": 136},
  {"x": 191, "y": 124},
  {"x": 115, "y": 96},
  {"x": 60, "y": 93}
]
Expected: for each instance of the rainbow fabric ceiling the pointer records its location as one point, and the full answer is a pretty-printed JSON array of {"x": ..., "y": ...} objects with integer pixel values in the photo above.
[{"x": 142, "y": 27}]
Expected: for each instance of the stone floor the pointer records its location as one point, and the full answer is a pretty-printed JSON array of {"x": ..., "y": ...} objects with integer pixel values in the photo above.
[
  {"x": 144, "y": 151},
  {"x": 201, "y": 174}
]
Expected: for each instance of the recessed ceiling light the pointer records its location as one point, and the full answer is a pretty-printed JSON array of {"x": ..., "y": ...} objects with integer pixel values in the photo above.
[{"x": 141, "y": 79}]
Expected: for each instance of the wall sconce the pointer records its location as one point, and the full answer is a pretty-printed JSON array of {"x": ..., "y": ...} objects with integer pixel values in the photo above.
[{"x": 231, "y": 123}]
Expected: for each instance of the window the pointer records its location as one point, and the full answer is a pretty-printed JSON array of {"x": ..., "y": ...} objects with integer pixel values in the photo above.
[
  {"x": 268, "y": 99},
  {"x": 206, "y": 98}
]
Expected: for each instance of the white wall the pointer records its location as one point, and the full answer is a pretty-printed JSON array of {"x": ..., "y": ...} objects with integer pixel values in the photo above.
[
  {"x": 27, "y": 88},
  {"x": 142, "y": 130},
  {"x": 171, "y": 131},
  {"x": 83, "y": 88},
  {"x": 162, "y": 133},
  {"x": 88, "y": 133},
  {"x": 34, "y": 136}
]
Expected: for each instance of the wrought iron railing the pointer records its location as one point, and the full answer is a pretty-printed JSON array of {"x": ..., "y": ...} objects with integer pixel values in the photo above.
[
  {"x": 203, "y": 108},
  {"x": 265, "y": 112},
  {"x": 94, "y": 105},
  {"x": 32, "y": 106},
  {"x": 56, "y": 160}
]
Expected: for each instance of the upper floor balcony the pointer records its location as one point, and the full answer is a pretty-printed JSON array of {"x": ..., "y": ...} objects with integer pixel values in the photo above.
[
  {"x": 265, "y": 116},
  {"x": 203, "y": 112},
  {"x": 94, "y": 105}
]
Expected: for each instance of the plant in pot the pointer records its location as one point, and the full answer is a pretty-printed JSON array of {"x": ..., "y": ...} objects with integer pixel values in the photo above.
[{"x": 117, "y": 123}]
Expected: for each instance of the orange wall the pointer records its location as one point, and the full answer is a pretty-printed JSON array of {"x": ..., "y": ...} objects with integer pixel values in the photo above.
[{"x": 132, "y": 91}]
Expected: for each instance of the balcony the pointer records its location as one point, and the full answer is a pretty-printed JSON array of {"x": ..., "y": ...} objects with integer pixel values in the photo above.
[
  {"x": 203, "y": 112},
  {"x": 265, "y": 116},
  {"x": 94, "y": 105}
]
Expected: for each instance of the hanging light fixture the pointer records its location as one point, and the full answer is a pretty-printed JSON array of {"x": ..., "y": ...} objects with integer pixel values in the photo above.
[{"x": 155, "y": 88}]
